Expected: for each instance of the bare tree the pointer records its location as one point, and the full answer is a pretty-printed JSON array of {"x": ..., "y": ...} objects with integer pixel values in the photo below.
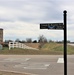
[
  {"x": 35, "y": 41},
  {"x": 51, "y": 41},
  {"x": 29, "y": 40},
  {"x": 23, "y": 41},
  {"x": 7, "y": 41},
  {"x": 17, "y": 40},
  {"x": 42, "y": 39}
]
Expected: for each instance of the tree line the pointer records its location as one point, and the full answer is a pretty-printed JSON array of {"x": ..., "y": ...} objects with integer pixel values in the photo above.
[{"x": 41, "y": 39}]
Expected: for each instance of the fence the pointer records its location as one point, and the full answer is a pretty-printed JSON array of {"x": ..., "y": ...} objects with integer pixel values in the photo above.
[{"x": 19, "y": 45}]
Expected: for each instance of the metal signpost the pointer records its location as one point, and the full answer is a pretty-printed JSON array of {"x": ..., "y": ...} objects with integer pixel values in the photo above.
[
  {"x": 59, "y": 26},
  {"x": 65, "y": 42}
]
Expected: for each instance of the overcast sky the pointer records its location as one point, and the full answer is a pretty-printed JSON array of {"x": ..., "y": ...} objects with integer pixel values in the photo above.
[{"x": 21, "y": 18}]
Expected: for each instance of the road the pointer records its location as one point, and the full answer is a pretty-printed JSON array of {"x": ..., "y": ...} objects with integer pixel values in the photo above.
[{"x": 36, "y": 64}]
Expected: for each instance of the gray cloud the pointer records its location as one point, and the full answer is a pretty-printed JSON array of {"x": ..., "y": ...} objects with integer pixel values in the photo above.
[
  {"x": 26, "y": 15},
  {"x": 32, "y": 10}
]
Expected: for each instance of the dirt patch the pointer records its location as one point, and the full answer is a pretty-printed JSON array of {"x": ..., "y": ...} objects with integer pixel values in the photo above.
[
  {"x": 10, "y": 73},
  {"x": 34, "y": 45}
]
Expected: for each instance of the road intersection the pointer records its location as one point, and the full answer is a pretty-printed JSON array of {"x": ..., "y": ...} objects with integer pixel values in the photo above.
[{"x": 36, "y": 64}]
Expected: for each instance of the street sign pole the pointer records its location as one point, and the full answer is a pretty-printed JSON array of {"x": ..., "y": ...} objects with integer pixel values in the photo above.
[
  {"x": 65, "y": 42},
  {"x": 59, "y": 26}
]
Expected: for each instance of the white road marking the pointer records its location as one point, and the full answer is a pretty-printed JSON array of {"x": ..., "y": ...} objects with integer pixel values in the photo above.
[
  {"x": 47, "y": 65},
  {"x": 17, "y": 59},
  {"x": 37, "y": 66},
  {"x": 32, "y": 66},
  {"x": 27, "y": 59},
  {"x": 60, "y": 60}
]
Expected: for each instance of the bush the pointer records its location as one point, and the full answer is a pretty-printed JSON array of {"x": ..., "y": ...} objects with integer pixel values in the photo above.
[{"x": 5, "y": 45}]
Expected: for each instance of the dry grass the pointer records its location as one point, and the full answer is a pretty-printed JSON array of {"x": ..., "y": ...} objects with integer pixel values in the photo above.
[
  {"x": 34, "y": 45},
  {"x": 46, "y": 49},
  {"x": 10, "y": 73}
]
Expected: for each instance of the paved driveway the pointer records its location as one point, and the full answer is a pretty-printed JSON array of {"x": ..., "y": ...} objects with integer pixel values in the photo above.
[{"x": 36, "y": 64}]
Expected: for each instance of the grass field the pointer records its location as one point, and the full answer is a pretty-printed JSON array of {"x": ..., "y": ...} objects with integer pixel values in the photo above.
[{"x": 46, "y": 49}]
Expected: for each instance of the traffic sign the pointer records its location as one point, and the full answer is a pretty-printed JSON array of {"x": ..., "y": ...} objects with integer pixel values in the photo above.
[{"x": 51, "y": 26}]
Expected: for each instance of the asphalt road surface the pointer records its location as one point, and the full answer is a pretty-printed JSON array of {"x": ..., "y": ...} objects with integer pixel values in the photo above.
[{"x": 36, "y": 64}]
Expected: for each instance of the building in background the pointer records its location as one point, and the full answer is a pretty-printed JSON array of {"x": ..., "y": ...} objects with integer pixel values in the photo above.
[{"x": 1, "y": 35}]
